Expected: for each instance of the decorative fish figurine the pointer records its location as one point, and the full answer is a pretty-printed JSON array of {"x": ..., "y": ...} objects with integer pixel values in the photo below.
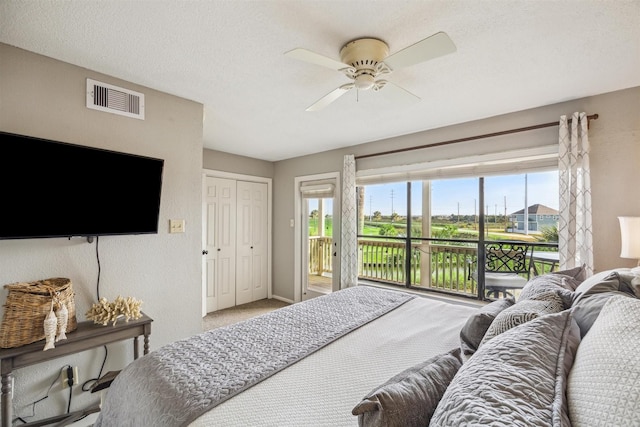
[
  {"x": 63, "y": 316},
  {"x": 50, "y": 326}
]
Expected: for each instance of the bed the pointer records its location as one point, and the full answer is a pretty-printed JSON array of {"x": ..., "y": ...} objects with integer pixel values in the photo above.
[
  {"x": 377, "y": 357},
  {"x": 326, "y": 384}
]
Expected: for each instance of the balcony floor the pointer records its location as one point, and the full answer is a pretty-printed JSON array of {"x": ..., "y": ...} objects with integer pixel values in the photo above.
[{"x": 320, "y": 283}]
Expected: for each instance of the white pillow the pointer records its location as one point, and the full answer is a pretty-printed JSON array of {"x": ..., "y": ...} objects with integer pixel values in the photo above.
[{"x": 604, "y": 382}]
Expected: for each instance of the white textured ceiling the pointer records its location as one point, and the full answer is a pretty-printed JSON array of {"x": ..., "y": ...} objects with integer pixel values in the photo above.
[{"x": 228, "y": 55}]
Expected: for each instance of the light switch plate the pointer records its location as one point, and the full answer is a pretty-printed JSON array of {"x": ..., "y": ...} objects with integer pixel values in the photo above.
[{"x": 176, "y": 226}]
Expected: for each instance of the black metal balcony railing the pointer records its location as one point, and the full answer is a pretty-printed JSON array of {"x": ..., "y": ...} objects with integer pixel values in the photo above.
[{"x": 436, "y": 264}]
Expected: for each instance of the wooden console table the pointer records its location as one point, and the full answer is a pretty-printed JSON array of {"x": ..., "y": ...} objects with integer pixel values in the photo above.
[{"x": 88, "y": 335}]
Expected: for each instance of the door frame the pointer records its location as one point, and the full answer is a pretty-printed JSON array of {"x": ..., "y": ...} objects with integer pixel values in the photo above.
[
  {"x": 297, "y": 232},
  {"x": 238, "y": 177}
]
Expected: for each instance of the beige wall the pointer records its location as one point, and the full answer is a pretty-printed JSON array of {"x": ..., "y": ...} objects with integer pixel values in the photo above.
[
  {"x": 226, "y": 162},
  {"x": 615, "y": 160},
  {"x": 45, "y": 98}
]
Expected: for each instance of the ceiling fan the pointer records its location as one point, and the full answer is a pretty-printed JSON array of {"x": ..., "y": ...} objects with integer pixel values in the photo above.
[{"x": 365, "y": 60}]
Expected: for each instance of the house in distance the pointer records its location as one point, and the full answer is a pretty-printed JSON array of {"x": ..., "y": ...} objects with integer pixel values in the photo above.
[{"x": 539, "y": 218}]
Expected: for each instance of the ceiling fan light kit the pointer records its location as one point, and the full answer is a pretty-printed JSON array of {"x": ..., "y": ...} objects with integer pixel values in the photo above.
[
  {"x": 364, "y": 60},
  {"x": 364, "y": 55}
]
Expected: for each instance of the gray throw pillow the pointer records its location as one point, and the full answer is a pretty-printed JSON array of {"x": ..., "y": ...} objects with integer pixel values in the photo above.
[
  {"x": 630, "y": 281},
  {"x": 409, "y": 398},
  {"x": 516, "y": 379},
  {"x": 477, "y": 324},
  {"x": 605, "y": 281},
  {"x": 523, "y": 312},
  {"x": 587, "y": 308},
  {"x": 557, "y": 283},
  {"x": 578, "y": 274}
]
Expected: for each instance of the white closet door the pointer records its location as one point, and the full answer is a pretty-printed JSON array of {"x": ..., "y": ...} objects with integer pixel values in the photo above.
[
  {"x": 210, "y": 204},
  {"x": 260, "y": 247},
  {"x": 252, "y": 268},
  {"x": 221, "y": 243}
]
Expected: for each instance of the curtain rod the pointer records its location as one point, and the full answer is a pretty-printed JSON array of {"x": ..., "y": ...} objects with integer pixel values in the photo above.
[{"x": 471, "y": 138}]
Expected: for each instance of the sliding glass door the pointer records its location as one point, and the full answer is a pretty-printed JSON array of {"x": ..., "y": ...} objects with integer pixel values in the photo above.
[{"x": 426, "y": 234}]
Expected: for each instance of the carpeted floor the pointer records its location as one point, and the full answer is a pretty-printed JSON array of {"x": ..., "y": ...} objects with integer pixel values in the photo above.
[{"x": 239, "y": 313}]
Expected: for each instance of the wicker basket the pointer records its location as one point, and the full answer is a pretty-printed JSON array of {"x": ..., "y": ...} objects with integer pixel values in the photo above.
[{"x": 27, "y": 306}]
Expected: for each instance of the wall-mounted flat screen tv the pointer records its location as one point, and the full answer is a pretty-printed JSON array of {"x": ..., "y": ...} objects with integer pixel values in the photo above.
[{"x": 56, "y": 189}]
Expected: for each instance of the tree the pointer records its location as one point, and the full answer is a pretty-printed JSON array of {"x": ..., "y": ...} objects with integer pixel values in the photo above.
[
  {"x": 377, "y": 215},
  {"x": 314, "y": 214},
  {"x": 446, "y": 232},
  {"x": 388, "y": 230},
  {"x": 394, "y": 217},
  {"x": 549, "y": 234}
]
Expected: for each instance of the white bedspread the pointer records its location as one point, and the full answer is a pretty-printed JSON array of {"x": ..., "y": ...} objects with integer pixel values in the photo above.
[{"x": 321, "y": 389}]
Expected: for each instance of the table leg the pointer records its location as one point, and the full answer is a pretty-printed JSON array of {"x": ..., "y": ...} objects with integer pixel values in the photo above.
[
  {"x": 135, "y": 348},
  {"x": 7, "y": 407},
  {"x": 146, "y": 344}
]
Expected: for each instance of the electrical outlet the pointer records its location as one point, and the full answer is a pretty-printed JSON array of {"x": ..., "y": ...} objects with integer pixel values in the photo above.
[
  {"x": 75, "y": 378},
  {"x": 176, "y": 226}
]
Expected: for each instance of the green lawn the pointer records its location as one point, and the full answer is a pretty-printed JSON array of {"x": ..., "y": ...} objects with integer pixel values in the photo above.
[{"x": 373, "y": 229}]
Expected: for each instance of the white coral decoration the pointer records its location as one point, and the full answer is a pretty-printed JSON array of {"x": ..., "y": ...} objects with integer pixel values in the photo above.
[{"x": 104, "y": 311}]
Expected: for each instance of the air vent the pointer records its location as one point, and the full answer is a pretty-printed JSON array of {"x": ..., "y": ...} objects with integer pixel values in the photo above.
[{"x": 116, "y": 100}]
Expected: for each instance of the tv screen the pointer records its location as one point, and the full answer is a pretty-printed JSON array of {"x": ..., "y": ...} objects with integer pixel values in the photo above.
[{"x": 56, "y": 189}]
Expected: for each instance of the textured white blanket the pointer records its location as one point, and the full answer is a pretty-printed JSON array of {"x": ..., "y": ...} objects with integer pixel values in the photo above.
[
  {"x": 178, "y": 382},
  {"x": 321, "y": 389}
]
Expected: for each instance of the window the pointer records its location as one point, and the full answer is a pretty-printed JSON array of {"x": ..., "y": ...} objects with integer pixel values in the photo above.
[{"x": 424, "y": 234}]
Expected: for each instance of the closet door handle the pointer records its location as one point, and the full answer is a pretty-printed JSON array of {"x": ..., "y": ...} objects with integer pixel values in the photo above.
[{"x": 205, "y": 252}]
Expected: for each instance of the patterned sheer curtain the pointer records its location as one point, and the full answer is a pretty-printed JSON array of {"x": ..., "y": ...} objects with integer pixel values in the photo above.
[
  {"x": 349, "y": 240},
  {"x": 575, "y": 230}
]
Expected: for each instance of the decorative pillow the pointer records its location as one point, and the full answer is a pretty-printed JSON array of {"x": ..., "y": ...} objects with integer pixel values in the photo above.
[
  {"x": 586, "y": 309},
  {"x": 603, "y": 382},
  {"x": 522, "y": 312},
  {"x": 477, "y": 324},
  {"x": 557, "y": 283},
  {"x": 630, "y": 281},
  {"x": 409, "y": 398},
  {"x": 516, "y": 379},
  {"x": 578, "y": 274},
  {"x": 605, "y": 281}
]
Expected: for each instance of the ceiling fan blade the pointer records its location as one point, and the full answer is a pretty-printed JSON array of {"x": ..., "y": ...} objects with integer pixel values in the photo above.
[
  {"x": 330, "y": 97},
  {"x": 432, "y": 47},
  {"x": 395, "y": 93},
  {"x": 315, "y": 58}
]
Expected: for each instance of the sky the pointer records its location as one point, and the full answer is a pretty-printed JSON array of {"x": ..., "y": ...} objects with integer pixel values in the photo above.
[{"x": 453, "y": 196}]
